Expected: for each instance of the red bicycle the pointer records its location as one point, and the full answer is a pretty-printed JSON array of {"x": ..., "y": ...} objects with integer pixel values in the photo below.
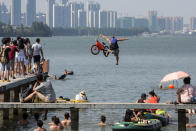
[{"x": 96, "y": 48}]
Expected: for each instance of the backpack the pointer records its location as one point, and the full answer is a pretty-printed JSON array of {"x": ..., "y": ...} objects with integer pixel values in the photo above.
[{"x": 3, "y": 58}]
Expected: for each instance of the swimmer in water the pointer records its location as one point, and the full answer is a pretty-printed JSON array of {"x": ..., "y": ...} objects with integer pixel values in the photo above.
[{"x": 62, "y": 77}]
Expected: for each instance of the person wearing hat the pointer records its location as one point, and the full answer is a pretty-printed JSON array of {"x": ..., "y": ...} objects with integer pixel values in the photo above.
[
  {"x": 113, "y": 42},
  {"x": 81, "y": 96}
]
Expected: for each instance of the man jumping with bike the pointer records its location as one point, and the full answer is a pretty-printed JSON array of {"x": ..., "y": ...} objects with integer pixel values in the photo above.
[{"x": 113, "y": 42}]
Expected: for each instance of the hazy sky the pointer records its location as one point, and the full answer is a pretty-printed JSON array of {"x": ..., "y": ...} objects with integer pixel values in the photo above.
[{"x": 139, "y": 8}]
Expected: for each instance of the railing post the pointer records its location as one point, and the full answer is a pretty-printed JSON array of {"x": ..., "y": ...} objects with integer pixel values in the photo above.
[
  {"x": 181, "y": 120},
  {"x": 74, "y": 119}
]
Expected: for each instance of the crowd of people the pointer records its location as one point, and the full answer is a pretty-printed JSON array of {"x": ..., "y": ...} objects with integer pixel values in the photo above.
[
  {"x": 54, "y": 125},
  {"x": 16, "y": 62},
  {"x": 186, "y": 95},
  {"x": 135, "y": 115},
  {"x": 16, "y": 57}
]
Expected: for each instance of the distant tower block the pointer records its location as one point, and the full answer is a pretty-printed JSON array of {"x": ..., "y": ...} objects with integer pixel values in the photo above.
[
  {"x": 30, "y": 12},
  {"x": 64, "y": 1},
  {"x": 15, "y": 12},
  {"x": 49, "y": 13}
]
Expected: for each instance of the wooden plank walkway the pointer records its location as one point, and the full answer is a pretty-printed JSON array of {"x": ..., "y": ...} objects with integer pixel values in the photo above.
[{"x": 4, "y": 105}]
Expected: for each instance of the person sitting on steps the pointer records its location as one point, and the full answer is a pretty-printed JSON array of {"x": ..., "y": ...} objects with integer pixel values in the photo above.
[{"x": 44, "y": 91}]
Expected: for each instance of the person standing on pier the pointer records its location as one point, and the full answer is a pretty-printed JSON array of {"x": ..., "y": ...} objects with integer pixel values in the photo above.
[
  {"x": 21, "y": 57},
  {"x": 4, "y": 59},
  {"x": 29, "y": 54},
  {"x": 12, "y": 57},
  {"x": 37, "y": 50},
  {"x": 113, "y": 46}
]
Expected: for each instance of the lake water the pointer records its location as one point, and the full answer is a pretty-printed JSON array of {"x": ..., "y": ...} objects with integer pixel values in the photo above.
[{"x": 143, "y": 63}]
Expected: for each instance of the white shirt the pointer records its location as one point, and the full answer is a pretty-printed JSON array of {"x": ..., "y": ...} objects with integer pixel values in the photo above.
[
  {"x": 188, "y": 93},
  {"x": 81, "y": 97},
  {"x": 36, "y": 49}
]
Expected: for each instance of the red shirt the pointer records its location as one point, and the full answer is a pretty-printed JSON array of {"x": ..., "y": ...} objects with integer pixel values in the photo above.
[{"x": 12, "y": 52}]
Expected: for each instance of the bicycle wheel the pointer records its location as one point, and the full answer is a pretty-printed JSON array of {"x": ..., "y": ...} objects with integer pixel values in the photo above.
[
  {"x": 105, "y": 50},
  {"x": 95, "y": 50}
]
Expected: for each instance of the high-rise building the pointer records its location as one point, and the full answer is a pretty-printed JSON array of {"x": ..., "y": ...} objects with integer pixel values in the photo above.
[
  {"x": 193, "y": 23},
  {"x": 68, "y": 15},
  {"x": 15, "y": 12},
  {"x": 169, "y": 24},
  {"x": 140, "y": 22},
  {"x": 63, "y": 1},
  {"x": 3, "y": 8},
  {"x": 162, "y": 23},
  {"x": 82, "y": 15},
  {"x": 40, "y": 17},
  {"x": 91, "y": 19},
  {"x": 63, "y": 15},
  {"x": 59, "y": 15},
  {"x": 126, "y": 22},
  {"x": 4, "y": 14},
  {"x": 153, "y": 21},
  {"x": 93, "y": 14},
  {"x": 76, "y": 6},
  {"x": 177, "y": 24},
  {"x": 112, "y": 19},
  {"x": 103, "y": 19},
  {"x": 49, "y": 13},
  {"x": 30, "y": 12}
]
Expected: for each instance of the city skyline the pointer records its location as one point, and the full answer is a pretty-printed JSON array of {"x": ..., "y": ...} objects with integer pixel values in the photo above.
[
  {"x": 135, "y": 8},
  {"x": 75, "y": 14}
]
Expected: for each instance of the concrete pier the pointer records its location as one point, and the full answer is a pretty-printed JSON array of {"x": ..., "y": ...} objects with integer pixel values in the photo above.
[
  {"x": 9, "y": 92},
  {"x": 9, "y": 104}
]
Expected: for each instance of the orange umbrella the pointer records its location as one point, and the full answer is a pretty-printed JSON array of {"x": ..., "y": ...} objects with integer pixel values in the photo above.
[{"x": 174, "y": 76}]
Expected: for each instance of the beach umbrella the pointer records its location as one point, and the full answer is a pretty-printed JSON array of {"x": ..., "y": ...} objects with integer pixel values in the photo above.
[{"x": 174, "y": 76}]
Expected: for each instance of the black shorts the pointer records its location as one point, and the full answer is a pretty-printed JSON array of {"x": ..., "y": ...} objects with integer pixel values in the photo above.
[
  {"x": 115, "y": 52},
  {"x": 36, "y": 58}
]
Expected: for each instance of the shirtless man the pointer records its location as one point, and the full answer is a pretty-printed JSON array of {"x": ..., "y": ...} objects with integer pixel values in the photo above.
[
  {"x": 66, "y": 121},
  {"x": 57, "y": 126}
]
